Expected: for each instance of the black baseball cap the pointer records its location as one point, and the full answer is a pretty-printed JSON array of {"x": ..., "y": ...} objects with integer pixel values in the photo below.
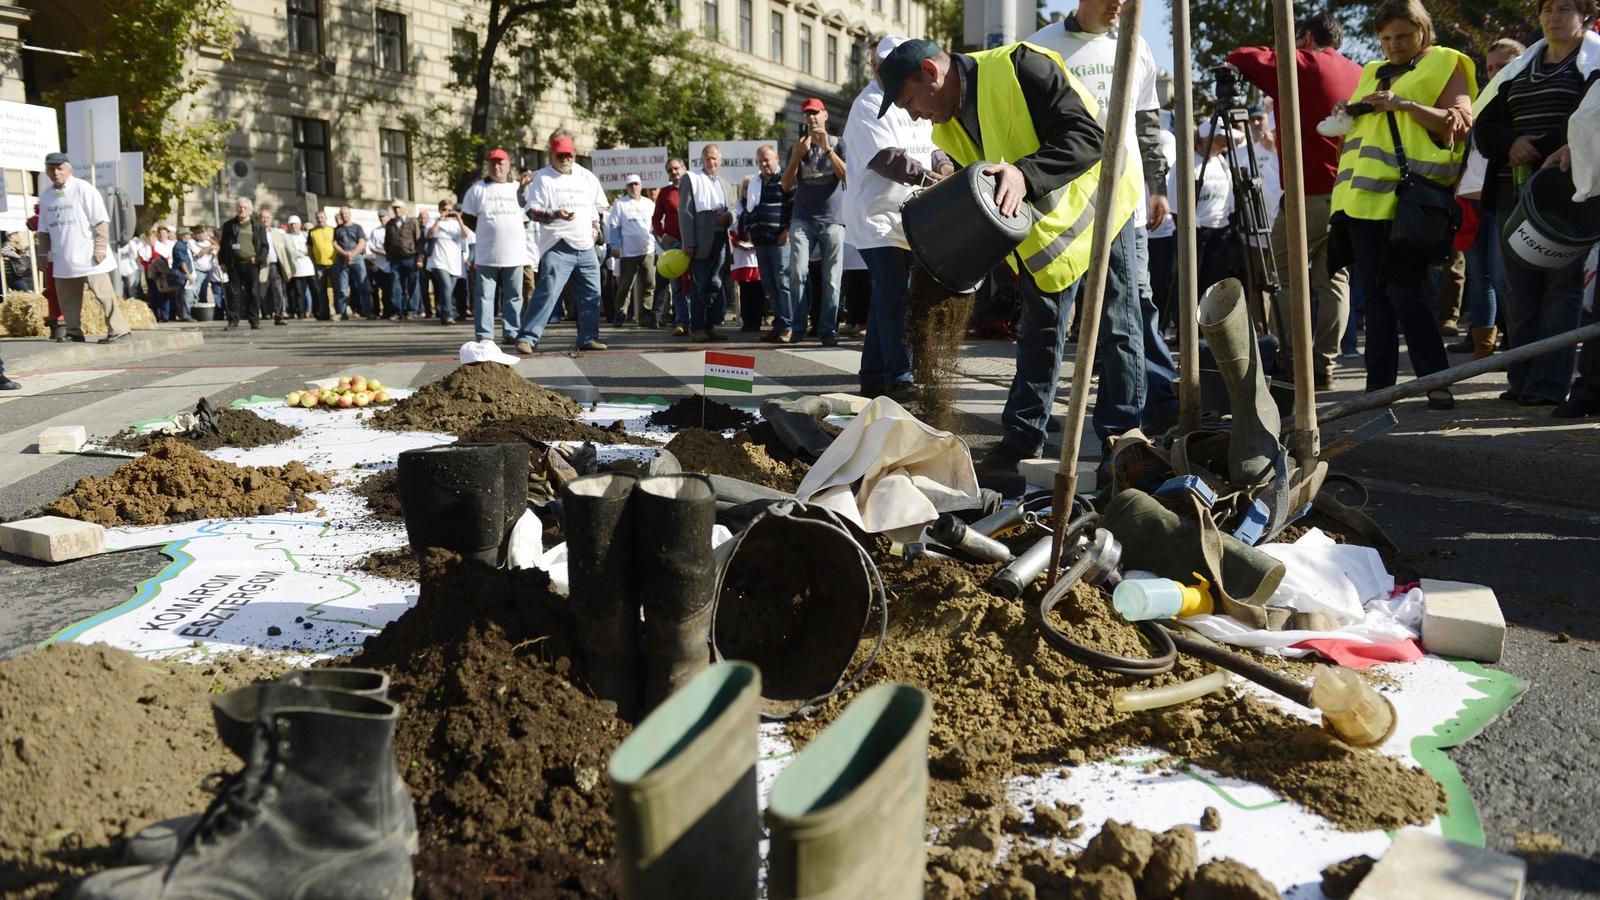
[{"x": 902, "y": 61}]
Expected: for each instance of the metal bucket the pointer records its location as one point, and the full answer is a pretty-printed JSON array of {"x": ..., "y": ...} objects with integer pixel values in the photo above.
[
  {"x": 956, "y": 231},
  {"x": 799, "y": 625},
  {"x": 1547, "y": 230},
  {"x": 203, "y": 312}
]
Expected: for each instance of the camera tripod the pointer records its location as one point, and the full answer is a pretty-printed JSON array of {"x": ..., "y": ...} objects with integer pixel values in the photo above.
[{"x": 1252, "y": 222}]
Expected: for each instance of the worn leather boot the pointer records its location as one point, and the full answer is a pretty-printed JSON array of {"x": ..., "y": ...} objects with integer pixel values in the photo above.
[
  {"x": 684, "y": 791},
  {"x": 1483, "y": 341},
  {"x": 160, "y": 842},
  {"x": 677, "y": 575},
  {"x": 847, "y": 817},
  {"x": 314, "y": 815},
  {"x": 1253, "y": 444},
  {"x": 598, "y": 516}
]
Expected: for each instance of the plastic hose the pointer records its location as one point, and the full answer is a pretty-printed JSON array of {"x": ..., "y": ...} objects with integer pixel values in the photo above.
[
  {"x": 1166, "y": 655},
  {"x": 1170, "y": 695},
  {"x": 1203, "y": 648}
]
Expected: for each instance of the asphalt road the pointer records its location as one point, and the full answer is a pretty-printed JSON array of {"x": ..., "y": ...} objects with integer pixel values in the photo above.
[{"x": 1531, "y": 771}]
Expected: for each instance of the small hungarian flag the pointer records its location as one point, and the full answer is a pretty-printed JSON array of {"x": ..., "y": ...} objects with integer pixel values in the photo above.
[{"x": 730, "y": 372}]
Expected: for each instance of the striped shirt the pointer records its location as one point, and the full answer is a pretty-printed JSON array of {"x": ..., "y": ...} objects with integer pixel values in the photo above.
[{"x": 1542, "y": 96}]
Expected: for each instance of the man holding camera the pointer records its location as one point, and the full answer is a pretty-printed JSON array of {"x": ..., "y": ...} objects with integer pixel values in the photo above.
[
  {"x": 1326, "y": 78},
  {"x": 816, "y": 175}
]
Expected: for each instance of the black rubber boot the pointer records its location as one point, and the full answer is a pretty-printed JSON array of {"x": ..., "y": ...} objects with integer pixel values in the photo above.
[
  {"x": 454, "y": 497},
  {"x": 314, "y": 815},
  {"x": 598, "y": 516},
  {"x": 235, "y": 720},
  {"x": 514, "y": 462},
  {"x": 677, "y": 574}
]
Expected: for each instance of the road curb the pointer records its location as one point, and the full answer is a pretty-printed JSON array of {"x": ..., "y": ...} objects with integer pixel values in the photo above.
[
  {"x": 1486, "y": 467},
  {"x": 140, "y": 344}
]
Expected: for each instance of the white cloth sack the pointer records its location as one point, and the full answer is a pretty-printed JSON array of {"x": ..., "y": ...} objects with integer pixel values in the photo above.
[
  {"x": 888, "y": 472},
  {"x": 1321, "y": 575}
]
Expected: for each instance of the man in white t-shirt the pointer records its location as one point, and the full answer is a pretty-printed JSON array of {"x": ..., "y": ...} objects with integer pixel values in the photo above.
[
  {"x": 1087, "y": 42},
  {"x": 568, "y": 203},
  {"x": 72, "y": 214},
  {"x": 447, "y": 239},
  {"x": 490, "y": 209},
  {"x": 632, "y": 246},
  {"x": 888, "y": 157}
]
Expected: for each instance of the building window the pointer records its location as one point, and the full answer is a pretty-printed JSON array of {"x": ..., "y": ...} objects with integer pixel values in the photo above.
[
  {"x": 528, "y": 77},
  {"x": 530, "y": 158},
  {"x": 391, "y": 41},
  {"x": 463, "y": 55},
  {"x": 805, "y": 48},
  {"x": 832, "y": 64},
  {"x": 877, "y": 6},
  {"x": 305, "y": 26},
  {"x": 897, "y": 10},
  {"x": 747, "y": 24},
  {"x": 709, "y": 19},
  {"x": 775, "y": 45},
  {"x": 395, "y": 149},
  {"x": 312, "y": 157},
  {"x": 857, "y": 59}
]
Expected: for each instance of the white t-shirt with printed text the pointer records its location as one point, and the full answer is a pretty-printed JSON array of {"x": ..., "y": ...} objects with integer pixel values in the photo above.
[
  {"x": 69, "y": 214},
  {"x": 578, "y": 191},
  {"x": 502, "y": 239}
]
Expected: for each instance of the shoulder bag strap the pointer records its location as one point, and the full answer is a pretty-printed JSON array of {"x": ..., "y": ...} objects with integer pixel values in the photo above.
[{"x": 1399, "y": 146}]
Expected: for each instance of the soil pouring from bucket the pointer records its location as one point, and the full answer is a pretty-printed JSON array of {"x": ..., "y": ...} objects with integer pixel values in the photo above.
[{"x": 938, "y": 322}]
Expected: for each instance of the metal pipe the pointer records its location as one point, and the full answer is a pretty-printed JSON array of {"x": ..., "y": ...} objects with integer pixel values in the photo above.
[
  {"x": 952, "y": 532},
  {"x": 1011, "y": 581},
  {"x": 1447, "y": 377},
  {"x": 1188, "y": 287},
  {"x": 1116, "y": 125},
  {"x": 999, "y": 520},
  {"x": 1305, "y": 439}
]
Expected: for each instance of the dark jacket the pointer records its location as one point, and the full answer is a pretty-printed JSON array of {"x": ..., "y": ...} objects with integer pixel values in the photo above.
[
  {"x": 400, "y": 238},
  {"x": 770, "y": 218},
  {"x": 230, "y": 236}
]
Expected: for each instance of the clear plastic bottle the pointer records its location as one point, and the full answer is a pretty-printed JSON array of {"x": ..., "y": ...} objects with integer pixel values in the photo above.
[
  {"x": 1351, "y": 709},
  {"x": 1139, "y": 599}
]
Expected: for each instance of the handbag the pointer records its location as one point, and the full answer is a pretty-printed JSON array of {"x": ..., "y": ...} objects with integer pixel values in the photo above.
[{"x": 1427, "y": 218}]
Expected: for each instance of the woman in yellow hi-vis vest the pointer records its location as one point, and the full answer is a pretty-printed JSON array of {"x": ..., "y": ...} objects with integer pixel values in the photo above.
[{"x": 1428, "y": 90}]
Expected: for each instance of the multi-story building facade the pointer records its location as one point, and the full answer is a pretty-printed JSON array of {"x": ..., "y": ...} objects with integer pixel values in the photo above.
[{"x": 322, "y": 91}]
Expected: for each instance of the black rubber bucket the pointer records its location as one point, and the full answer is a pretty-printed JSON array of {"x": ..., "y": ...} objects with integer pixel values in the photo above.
[
  {"x": 453, "y": 497},
  {"x": 515, "y": 462},
  {"x": 798, "y": 624},
  {"x": 1547, "y": 230},
  {"x": 956, "y": 231}
]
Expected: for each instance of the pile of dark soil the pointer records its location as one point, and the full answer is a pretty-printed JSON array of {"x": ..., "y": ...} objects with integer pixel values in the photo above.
[
  {"x": 174, "y": 482},
  {"x": 471, "y": 395},
  {"x": 95, "y": 744},
  {"x": 542, "y": 430},
  {"x": 504, "y": 752},
  {"x": 937, "y": 325},
  {"x": 240, "y": 428},
  {"x": 1010, "y": 704},
  {"x": 687, "y": 413},
  {"x": 737, "y": 457},
  {"x": 382, "y": 493},
  {"x": 400, "y": 564}
]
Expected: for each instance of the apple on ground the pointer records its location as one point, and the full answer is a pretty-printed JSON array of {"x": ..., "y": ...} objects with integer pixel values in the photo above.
[
  {"x": 346, "y": 401},
  {"x": 358, "y": 384},
  {"x": 344, "y": 383},
  {"x": 374, "y": 384},
  {"x": 363, "y": 398},
  {"x": 382, "y": 396},
  {"x": 293, "y": 399},
  {"x": 308, "y": 400}
]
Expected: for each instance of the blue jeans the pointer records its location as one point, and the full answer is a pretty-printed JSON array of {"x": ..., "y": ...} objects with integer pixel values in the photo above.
[
  {"x": 886, "y": 357},
  {"x": 1041, "y": 343},
  {"x": 444, "y": 293},
  {"x": 803, "y": 232},
  {"x": 707, "y": 305},
  {"x": 489, "y": 283},
  {"x": 1395, "y": 287},
  {"x": 348, "y": 277},
  {"x": 404, "y": 286},
  {"x": 1160, "y": 371},
  {"x": 556, "y": 266},
  {"x": 774, "y": 263},
  {"x": 1125, "y": 332},
  {"x": 1486, "y": 271},
  {"x": 1543, "y": 303}
]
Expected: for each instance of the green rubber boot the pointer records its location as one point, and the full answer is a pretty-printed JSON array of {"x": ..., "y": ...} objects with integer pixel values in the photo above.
[
  {"x": 684, "y": 791},
  {"x": 847, "y": 817},
  {"x": 1253, "y": 444}
]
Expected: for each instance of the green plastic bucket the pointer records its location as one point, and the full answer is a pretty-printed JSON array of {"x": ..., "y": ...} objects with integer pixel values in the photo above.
[{"x": 1547, "y": 230}]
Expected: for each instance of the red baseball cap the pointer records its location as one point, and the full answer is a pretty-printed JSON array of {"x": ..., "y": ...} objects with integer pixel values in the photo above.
[
  {"x": 498, "y": 153},
  {"x": 563, "y": 145},
  {"x": 812, "y": 104}
]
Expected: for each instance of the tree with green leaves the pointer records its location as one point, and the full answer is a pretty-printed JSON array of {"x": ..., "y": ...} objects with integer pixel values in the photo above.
[{"x": 140, "y": 51}]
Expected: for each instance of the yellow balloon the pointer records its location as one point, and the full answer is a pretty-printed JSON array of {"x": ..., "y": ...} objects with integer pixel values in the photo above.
[{"x": 672, "y": 264}]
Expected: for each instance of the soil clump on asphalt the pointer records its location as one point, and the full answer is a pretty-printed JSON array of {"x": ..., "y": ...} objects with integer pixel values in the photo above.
[
  {"x": 1009, "y": 704},
  {"x": 737, "y": 457},
  {"x": 471, "y": 395},
  {"x": 687, "y": 413},
  {"x": 238, "y": 428},
  {"x": 96, "y": 743},
  {"x": 382, "y": 493},
  {"x": 174, "y": 482},
  {"x": 540, "y": 431},
  {"x": 502, "y": 746},
  {"x": 400, "y": 564},
  {"x": 937, "y": 324}
]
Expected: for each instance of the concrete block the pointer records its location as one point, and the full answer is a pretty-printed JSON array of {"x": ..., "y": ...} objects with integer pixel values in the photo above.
[
  {"x": 856, "y": 402},
  {"x": 1461, "y": 619},
  {"x": 63, "y": 439},
  {"x": 1041, "y": 473},
  {"x": 1420, "y": 864},
  {"x": 52, "y": 538}
]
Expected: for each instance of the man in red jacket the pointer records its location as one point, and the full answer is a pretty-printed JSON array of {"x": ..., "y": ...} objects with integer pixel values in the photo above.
[
  {"x": 1326, "y": 78},
  {"x": 664, "y": 225}
]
